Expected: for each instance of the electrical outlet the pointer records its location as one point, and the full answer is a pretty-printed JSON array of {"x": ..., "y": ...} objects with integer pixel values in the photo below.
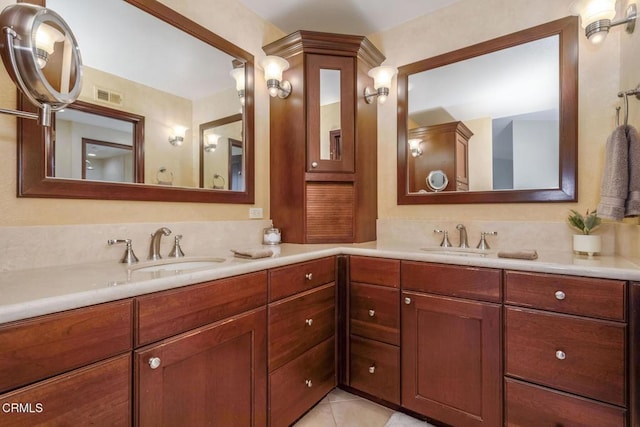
[{"x": 255, "y": 213}]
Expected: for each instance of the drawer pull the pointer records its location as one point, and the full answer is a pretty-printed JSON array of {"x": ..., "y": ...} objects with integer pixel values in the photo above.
[
  {"x": 308, "y": 383},
  {"x": 372, "y": 313},
  {"x": 372, "y": 369},
  {"x": 560, "y": 355},
  {"x": 407, "y": 300},
  {"x": 308, "y": 276},
  {"x": 154, "y": 362},
  {"x": 560, "y": 295},
  {"x": 309, "y": 322}
]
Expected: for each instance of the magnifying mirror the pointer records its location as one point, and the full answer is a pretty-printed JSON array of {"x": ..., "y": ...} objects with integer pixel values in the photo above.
[
  {"x": 42, "y": 57},
  {"x": 437, "y": 180}
]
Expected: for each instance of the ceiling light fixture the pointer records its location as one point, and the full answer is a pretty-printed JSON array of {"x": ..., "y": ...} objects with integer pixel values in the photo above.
[
  {"x": 273, "y": 67},
  {"x": 597, "y": 18},
  {"x": 382, "y": 77}
]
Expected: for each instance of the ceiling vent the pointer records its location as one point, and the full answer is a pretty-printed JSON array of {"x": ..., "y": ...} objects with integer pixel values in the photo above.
[{"x": 106, "y": 95}]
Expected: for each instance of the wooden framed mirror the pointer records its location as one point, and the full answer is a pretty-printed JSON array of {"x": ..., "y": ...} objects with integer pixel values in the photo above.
[
  {"x": 461, "y": 111},
  {"x": 160, "y": 104}
]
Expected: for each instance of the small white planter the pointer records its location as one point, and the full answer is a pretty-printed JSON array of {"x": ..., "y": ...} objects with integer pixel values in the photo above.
[{"x": 587, "y": 244}]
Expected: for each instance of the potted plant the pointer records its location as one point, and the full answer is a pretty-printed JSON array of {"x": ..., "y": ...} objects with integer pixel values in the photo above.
[{"x": 585, "y": 243}]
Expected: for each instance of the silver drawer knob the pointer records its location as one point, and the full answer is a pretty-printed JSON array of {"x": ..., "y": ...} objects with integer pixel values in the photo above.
[
  {"x": 308, "y": 383},
  {"x": 154, "y": 362},
  {"x": 309, "y": 322},
  {"x": 560, "y": 355},
  {"x": 314, "y": 164},
  {"x": 407, "y": 300},
  {"x": 372, "y": 313},
  {"x": 372, "y": 369},
  {"x": 308, "y": 276},
  {"x": 560, "y": 295}
]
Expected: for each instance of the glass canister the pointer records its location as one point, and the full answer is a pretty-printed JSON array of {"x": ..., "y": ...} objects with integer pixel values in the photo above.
[{"x": 271, "y": 236}]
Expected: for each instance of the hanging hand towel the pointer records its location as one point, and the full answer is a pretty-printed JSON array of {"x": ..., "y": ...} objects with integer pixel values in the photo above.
[
  {"x": 633, "y": 198},
  {"x": 615, "y": 180}
]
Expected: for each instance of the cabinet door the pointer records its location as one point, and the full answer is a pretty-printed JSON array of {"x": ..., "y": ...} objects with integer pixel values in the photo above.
[
  {"x": 451, "y": 362},
  {"x": 215, "y": 375},
  {"x": 330, "y": 113}
]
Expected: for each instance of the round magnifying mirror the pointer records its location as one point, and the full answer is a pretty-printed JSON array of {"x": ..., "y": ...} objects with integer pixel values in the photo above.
[
  {"x": 41, "y": 55},
  {"x": 437, "y": 180}
]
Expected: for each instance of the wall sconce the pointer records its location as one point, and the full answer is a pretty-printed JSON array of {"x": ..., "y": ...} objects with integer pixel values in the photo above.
[
  {"x": 381, "y": 82},
  {"x": 597, "y": 15},
  {"x": 238, "y": 76},
  {"x": 178, "y": 135},
  {"x": 30, "y": 36},
  {"x": 212, "y": 143},
  {"x": 414, "y": 146},
  {"x": 274, "y": 66}
]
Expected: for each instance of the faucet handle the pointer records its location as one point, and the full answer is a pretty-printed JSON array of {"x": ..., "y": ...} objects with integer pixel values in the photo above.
[
  {"x": 176, "y": 252},
  {"x": 129, "y": 257},
  {"x": 483, "y": 241},
  {"x": 445, "y": 238}
]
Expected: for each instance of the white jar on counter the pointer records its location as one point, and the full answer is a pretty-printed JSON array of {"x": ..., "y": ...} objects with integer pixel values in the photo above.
[{"x": 271, "y": 236}]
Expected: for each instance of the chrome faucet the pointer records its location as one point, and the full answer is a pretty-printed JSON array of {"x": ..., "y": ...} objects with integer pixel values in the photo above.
[
  {"x": 154, "y": 248},
  {"x": 463, "y": 236}
]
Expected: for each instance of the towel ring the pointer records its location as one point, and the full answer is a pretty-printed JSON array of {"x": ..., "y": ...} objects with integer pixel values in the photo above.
[
  {"x": 217, "y": 185},
  {"x": 166, "y": 178},
  {"x": 625, "y": 97}
]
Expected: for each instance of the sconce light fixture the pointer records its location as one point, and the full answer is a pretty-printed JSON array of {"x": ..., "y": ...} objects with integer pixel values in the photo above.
[
  {"x": 212, "y": 143},
  {"x": 414, "y": 146},
  {"x": 238, "y": 76},
  {"x": 178, "y": 135},
  {"x": 597, "y": 15},
  {"x": 381, "y": 82},
  {"x": 30, "y": 35},
  {"x": 274, "y": 66}
]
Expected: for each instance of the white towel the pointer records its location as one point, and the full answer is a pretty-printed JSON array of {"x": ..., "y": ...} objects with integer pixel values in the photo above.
[
  {"x": 615, "y": 179},
  {"x": 633, "y": 198}
]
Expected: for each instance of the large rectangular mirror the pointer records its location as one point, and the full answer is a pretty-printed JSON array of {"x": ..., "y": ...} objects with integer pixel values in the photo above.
[
  {"x": 493, "y": 122},
  {"x": 144, "y": 60}
]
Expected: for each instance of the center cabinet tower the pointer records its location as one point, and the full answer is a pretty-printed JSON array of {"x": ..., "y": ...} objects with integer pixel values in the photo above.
[{"x": 324, "y": 140}]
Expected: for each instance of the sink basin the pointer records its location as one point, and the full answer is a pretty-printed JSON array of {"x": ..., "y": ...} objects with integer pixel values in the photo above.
[
  {"x": 177, "y": 265},
  {"x": 457, "y": 251}
]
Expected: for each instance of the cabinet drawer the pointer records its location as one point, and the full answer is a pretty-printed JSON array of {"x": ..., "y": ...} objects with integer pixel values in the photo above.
[
  {"x": 482, "y": 284},
  {"x": 376, "y": 271},
  {"x": 566, "y": 294},
  {"x": 578, "y": 355},
  {"x": 375, "y": 368},
  {"x": 169, "y": 313},
  {"x": 375, "y": 312},
  {"x": 99, "y": 394},
  {"x": 289, "y": 280},
  {"x": 300, "y": 384},
  {"x": 298, "y": 323},
  {"x": 529, "y": 405},
  {"x": 44, "y": 346}
]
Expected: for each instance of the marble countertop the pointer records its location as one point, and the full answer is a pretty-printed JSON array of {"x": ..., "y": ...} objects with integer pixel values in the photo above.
[{"x": 33, "y": 292}]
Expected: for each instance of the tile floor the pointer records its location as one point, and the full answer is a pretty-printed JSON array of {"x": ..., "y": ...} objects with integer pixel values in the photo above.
[{"x": 342, "y": 409}]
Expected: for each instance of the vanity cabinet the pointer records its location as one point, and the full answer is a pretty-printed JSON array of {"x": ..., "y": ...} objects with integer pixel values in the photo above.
[
  {"x": 445, "y": 148},
  {"x": 323, "y": 140},
  {"x": 374, "y": 327},
  {"x": 68, "y": 368},
  {"x": 451, "y": 343},
  {"x": 302, "y": 345},
  {"x": 566, "y": 344},
  {"x": 209, "y": 365}
]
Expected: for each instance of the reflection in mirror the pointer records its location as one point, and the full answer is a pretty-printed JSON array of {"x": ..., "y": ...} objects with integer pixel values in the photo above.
[
  {"x": 193, "y": 82},
  {"x": 221, "y": 154},
  {"x": 437, "y": 180},
  {"x": 500, "y": 117},
  {"x": 330, "y": 115},
  {"x": 106, "y": 161}
]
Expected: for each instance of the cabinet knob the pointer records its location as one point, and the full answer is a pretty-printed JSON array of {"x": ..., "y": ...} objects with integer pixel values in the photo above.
[
  {"x": 308, "y": 276},
  {"x": 154, "y": 362},
  {"x": 560, "y": 295},
  {"x": 308, "y": 383},
  {"x": 407, "y": 300},
  {"x": 560, "y": 355},
  {"x": 314, "y": 164},
  {"x": 372, "y": 313},
  {"x": 309, "y": 322},
  {"x": 372, "y": 369}
]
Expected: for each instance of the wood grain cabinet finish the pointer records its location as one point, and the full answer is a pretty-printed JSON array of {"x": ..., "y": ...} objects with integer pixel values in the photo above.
[
  {"x": 374, "y": 367},
  {"x": 291, "y": 279},
  {"x": 214, "y": 375},
  {"x": 374, "y": 312},
  {"x": 375, "y": 271},
  {"x": 38, "y": 348},
  {"x": 98, "y": 394}
]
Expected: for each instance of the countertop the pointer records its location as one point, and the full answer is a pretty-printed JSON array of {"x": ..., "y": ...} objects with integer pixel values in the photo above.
[{"x": 33, "y": 292}]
